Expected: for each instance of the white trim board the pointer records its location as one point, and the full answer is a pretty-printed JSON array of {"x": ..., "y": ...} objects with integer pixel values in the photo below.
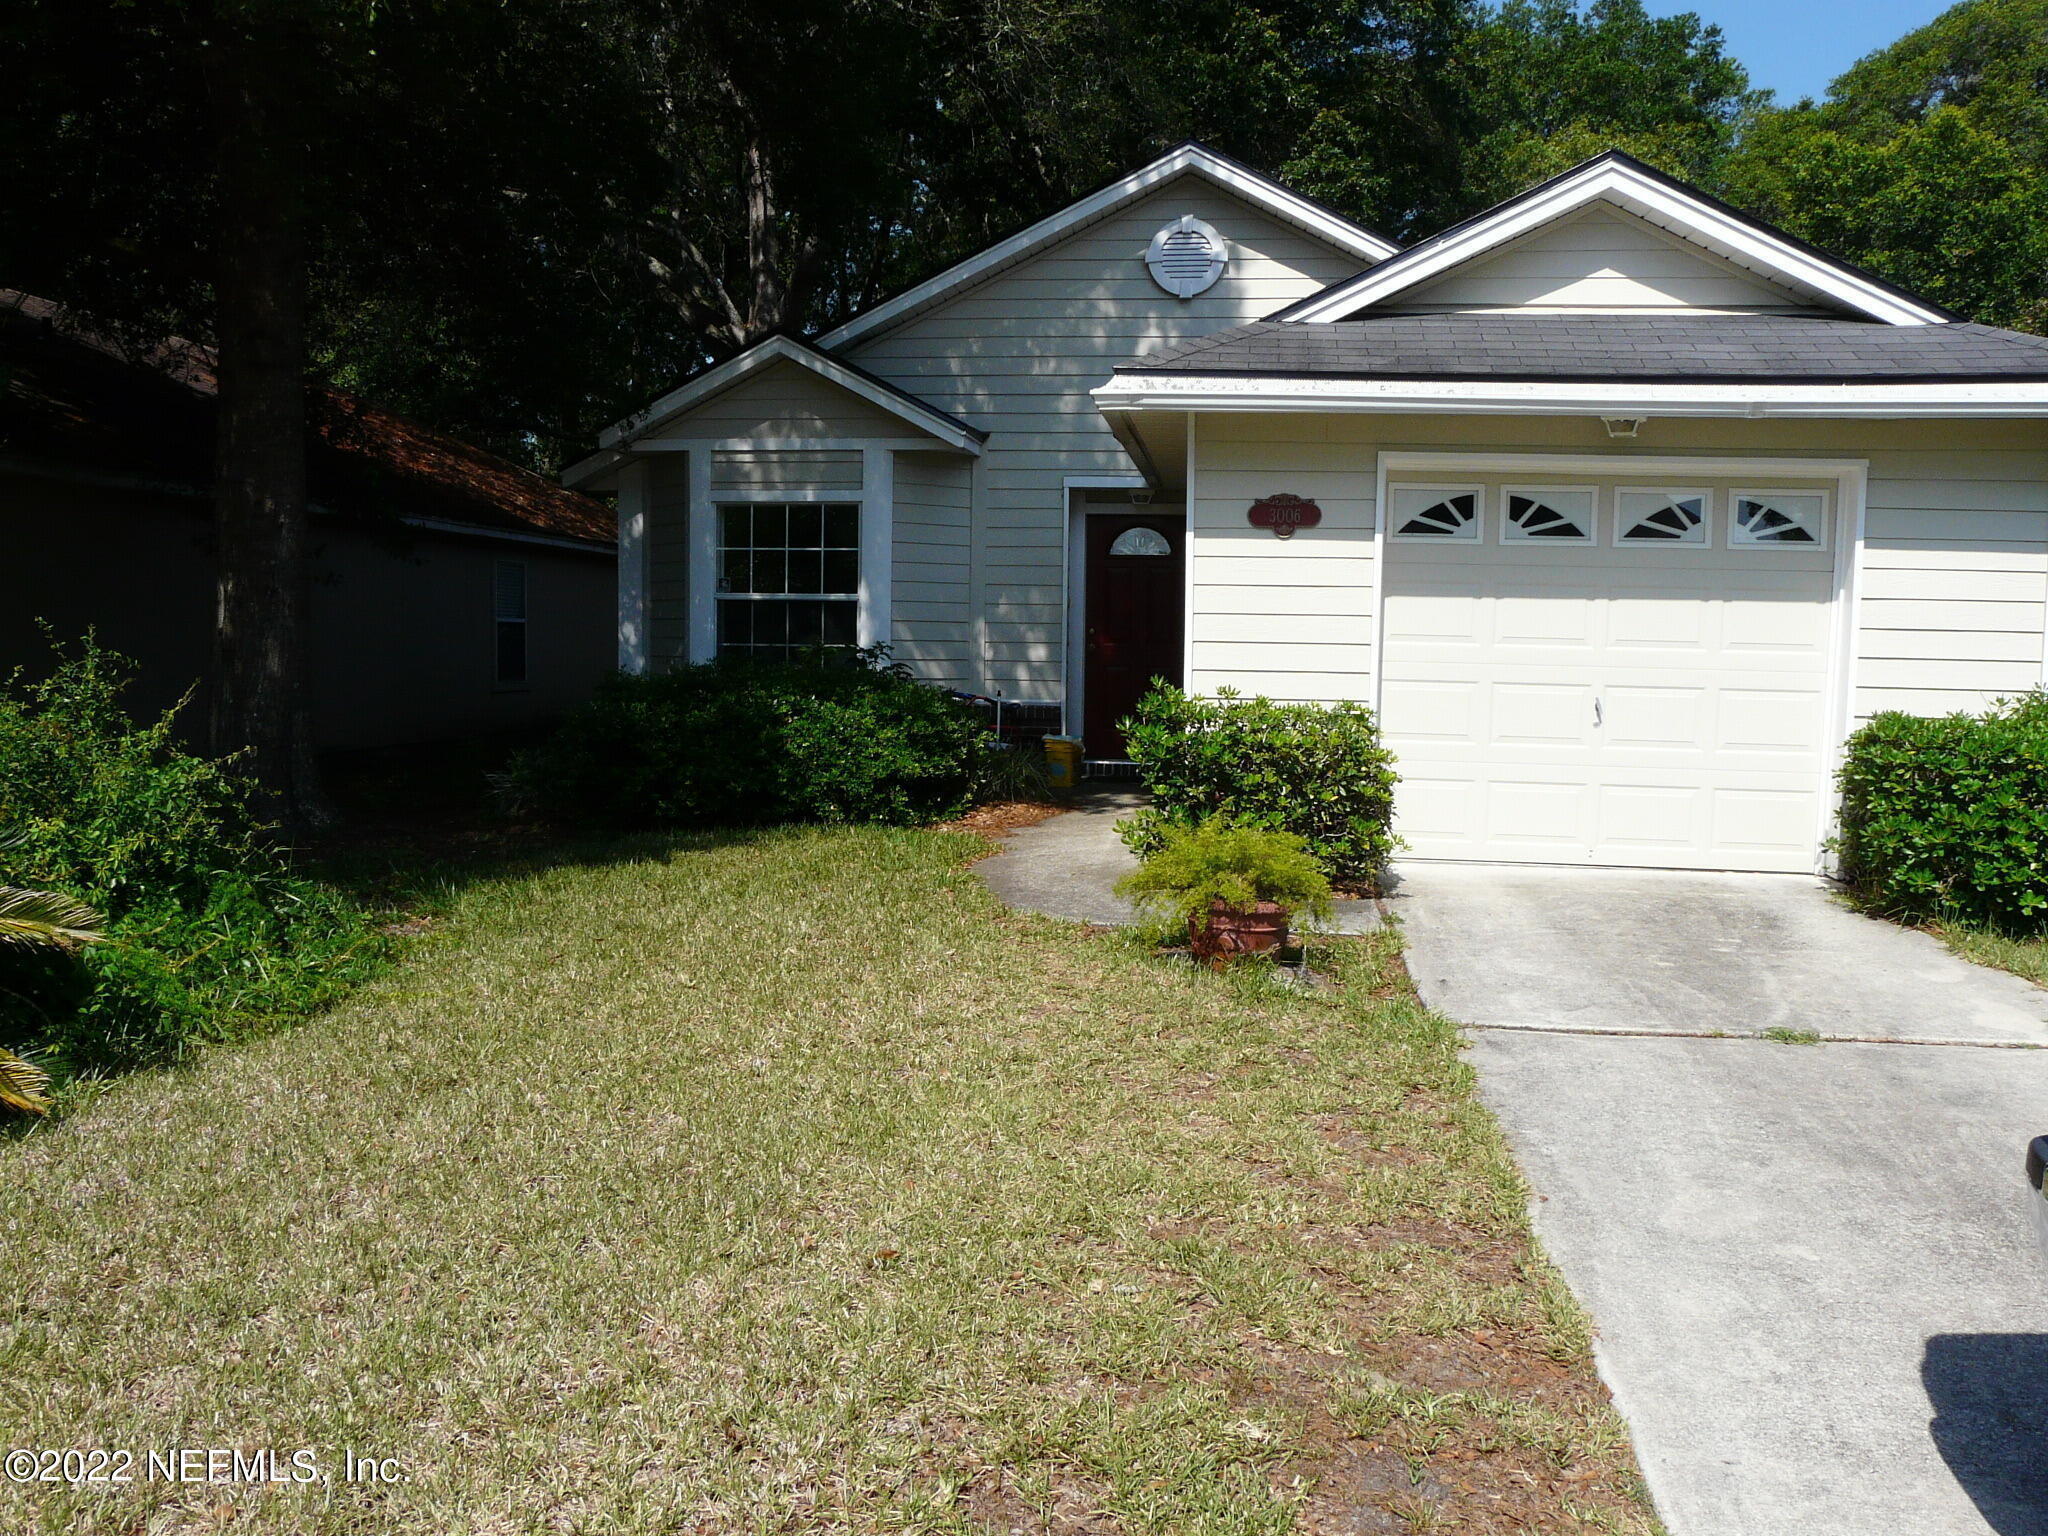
[
  {"x": 1635, "y": 189},
  {"x": 784, "y": 444},
  {"x": 1707, "y": 466},
  {"x": 1189, "y": 159},
  {"x": 780, "y": 349},
  {"x": 1515, "y": 397},
  {"x": 633, "y": 569}
]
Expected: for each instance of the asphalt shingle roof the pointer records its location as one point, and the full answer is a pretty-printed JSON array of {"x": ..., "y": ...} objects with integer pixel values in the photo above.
[{"x": 1619, "y": 348}]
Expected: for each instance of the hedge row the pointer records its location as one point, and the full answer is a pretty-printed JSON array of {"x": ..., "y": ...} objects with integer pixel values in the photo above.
[{"x": 749, "y": 743}]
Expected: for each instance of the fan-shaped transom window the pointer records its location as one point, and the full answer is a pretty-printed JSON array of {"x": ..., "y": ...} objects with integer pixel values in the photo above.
[
  {"x": 1662, "y": 517},
  {"x": 1760, "y": 518},
  {"x": 1434, "y": 512},
  {"x": 1554, "y": 514},
  {"x": 1140, "y": 541}
]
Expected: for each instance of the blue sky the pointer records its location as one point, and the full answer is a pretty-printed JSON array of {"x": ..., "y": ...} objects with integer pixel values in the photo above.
[{"x": 1795, "y": 47}]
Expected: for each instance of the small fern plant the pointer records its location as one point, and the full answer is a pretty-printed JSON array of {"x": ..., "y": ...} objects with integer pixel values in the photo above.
[
  {"x": 1216, "y": 861},
  {"x": 33, "y": 925}
]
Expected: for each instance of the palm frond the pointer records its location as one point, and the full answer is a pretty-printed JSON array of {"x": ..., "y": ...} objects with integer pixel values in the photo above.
[
  {"x": 46, "y": 920},
  {"x": 22, "y": 1084}
]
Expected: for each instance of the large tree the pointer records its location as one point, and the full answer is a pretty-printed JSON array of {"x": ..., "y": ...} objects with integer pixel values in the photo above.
[
  {"x": 1552, "y": 85},
  {"x": 246, "y": 174},
  {"x": 1927, "y": 162}
]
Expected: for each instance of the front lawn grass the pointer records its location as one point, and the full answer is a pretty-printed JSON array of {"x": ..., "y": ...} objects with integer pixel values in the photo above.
[{"x": 784, "y": 1182}]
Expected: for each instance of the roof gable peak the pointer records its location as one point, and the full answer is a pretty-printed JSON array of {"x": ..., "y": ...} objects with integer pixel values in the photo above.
[
  {"x": 1626, "y": 183},
  {"x": 918, "y": 416},
  {"x": 1188, "y": 158}
]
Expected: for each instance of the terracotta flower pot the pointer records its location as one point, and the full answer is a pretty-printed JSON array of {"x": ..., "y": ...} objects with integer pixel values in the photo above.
[{"x": 1225, "y": 932}]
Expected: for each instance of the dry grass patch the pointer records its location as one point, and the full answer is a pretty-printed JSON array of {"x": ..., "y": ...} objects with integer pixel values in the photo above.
[
  {"x": 784, "y": 1183},
  {"x": 2026, "y": 956}
]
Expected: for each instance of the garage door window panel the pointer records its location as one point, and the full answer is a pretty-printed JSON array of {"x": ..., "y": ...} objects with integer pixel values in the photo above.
[
  {"x": 1437, "y": 514},
  {"x": 1777, "y": 520},
  {"x": 1549, "y": 514},
  {"x": 1669, "y": 519}
]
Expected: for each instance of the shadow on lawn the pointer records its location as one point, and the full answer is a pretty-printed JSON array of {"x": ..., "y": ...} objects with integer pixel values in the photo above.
[
  {"x": 1989, "y": 1392},
  {"x": 420, "y": 825},
  {"x": 418, "y": 830}
]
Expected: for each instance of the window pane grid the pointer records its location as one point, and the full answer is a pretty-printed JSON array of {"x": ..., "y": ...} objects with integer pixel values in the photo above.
[{"x": 788, "y": 577}]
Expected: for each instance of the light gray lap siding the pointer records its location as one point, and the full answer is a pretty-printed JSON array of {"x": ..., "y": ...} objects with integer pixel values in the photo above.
[
  {"x": 932, "y": 620},
  {"x": 1017, "y": 355}
]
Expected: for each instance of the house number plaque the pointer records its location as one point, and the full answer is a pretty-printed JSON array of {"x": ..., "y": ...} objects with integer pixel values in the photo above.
[{"x": 1284, "y": 513}]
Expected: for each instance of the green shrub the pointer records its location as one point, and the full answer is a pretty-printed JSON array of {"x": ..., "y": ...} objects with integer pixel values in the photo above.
[
  {"x": 1949, "y": 817},
  {"x": 739, "y": 743},
  {"x": 210, "y": 934},
  {"x": 1195, "y": 867},
  {"x": 1317, "y": 771}
]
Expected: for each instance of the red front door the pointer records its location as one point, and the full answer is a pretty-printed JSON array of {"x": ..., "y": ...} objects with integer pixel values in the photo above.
[{"x": 1136, "y": 608}]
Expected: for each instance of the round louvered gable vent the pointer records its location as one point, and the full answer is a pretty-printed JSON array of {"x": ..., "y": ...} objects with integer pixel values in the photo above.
[{"x": 1186, "y": 257}]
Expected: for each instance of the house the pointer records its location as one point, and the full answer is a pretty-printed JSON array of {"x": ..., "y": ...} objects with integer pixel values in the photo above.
[
  {"x": 452, "y": 594},
  {"x": 1620, "y": 506}
]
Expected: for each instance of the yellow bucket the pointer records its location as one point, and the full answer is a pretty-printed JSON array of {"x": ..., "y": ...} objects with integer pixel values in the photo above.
[{"x": 1063, "y": 763}]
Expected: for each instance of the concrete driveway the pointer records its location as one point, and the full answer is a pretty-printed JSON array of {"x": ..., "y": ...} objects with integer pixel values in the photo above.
[{"x": 1818, "y": 1301}]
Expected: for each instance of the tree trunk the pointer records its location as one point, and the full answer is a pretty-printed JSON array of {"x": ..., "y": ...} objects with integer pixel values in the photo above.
[{"x": 259, "y": 675}]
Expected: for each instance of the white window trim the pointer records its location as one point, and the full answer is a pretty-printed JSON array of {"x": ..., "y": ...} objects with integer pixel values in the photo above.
[
  {"x": 1441, "y": 493},
  {"x": 1771, "y": 546},
  {"x": 1851, "y": 478},
  {"x": 1669, "y": 493},
  {"x": 876, "y": 498},
  {"x": 1511, "y": 533},
  {"x": 845, "y": 496}
]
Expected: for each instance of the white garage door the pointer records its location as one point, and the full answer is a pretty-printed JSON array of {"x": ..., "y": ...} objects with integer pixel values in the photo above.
[{"x": 1609, "y": 674}]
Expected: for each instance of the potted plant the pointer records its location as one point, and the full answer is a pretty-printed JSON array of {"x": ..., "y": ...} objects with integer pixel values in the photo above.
[{"x": 1235, "y": 887}]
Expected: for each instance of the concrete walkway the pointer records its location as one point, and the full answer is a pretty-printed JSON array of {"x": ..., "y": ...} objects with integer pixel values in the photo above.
[
  {"x": 1068, "y": 866},
  {"x": 1818, "y": 1301}
]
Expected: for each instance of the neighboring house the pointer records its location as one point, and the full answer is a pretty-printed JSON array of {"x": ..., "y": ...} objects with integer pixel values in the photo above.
[
  {"x": 1621, "y": 507},
  {"x": 452, "y": 594}
]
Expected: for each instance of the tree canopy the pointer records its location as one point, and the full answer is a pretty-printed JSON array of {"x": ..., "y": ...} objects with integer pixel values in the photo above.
[
  {"x": 1927, "y": 162},
  {"x": 525, "y": 217}
]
